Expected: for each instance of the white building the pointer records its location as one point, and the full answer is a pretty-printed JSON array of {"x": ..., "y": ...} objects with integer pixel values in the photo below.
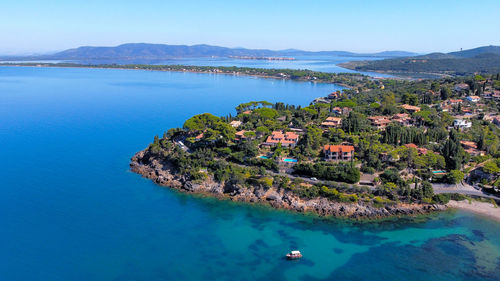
[{"x": 461, "y": 124}]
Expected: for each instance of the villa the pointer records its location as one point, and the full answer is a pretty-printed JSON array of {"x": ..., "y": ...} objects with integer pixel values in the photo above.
[
  {"x": 455, "y": 101},
  {"x": 420, "y": 150},
  {"x": 332, "y": 122},
  {"x": 235, "y": 123},
  {"x": 341, "y": 111},
  {"x": 379, "y": 122},
  {"x": 288, "y": 139},
  {"x": 410, "y": 108},
  {"x": 338, "y": 152},
  {"x": 335, "y": 95},
  {"x": 471, "y": 148},
  {"x": 461, "y": 124},
  {"x": 240, "y": 135},
  {"x": 402, "y": 118}
]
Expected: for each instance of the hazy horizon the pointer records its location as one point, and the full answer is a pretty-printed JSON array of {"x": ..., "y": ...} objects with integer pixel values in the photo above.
[{"x": 355, "y": 26}]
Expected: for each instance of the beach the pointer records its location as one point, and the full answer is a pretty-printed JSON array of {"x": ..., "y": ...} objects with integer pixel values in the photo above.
[{"x": 481, "y": 208}]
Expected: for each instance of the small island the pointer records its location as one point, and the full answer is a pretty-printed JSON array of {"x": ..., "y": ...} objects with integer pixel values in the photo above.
[{"x": 383, "y": 148}]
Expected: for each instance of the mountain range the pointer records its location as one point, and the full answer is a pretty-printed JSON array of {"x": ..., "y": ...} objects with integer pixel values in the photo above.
[{"x": 135, "y": 51}]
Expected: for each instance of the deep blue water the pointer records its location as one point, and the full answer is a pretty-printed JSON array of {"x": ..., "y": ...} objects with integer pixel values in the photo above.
[{"x": 71, "y": 210}]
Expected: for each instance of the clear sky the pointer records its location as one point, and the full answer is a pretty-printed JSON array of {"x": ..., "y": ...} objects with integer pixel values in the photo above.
[{"x": 350, "y": 25}]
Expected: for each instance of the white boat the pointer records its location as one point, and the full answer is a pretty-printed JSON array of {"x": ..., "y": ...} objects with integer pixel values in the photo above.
[{"x": 294, "y": 255}]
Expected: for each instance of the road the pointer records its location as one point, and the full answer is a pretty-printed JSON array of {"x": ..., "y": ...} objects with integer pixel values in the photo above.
[{"x": 461, "y": 188}]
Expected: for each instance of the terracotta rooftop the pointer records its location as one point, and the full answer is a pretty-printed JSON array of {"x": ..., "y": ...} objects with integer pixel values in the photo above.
[
  {"x": 339, "y": 148},
  {"x": 411, "y": 145},
  {"x": 410, "y": 107}
]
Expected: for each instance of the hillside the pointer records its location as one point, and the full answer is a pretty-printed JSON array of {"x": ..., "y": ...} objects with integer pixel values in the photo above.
[
  {"x": 162, "y": 51},
  {"x": 478, "y": 60}
]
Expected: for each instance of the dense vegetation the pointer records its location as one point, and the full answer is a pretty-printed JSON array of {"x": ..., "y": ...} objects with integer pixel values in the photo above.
[
  {"x": 479, "y": 60},
  {"x": 401, "y": 160}
]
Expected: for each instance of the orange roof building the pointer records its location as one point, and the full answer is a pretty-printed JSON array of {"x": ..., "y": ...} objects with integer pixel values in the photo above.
[
  {"x": 288, "y": 139},
  {"x": 338, "y": 152},
  {"x": 410, "y": 108},
  {"x": 379, "y": 122},
  {"x": 469, "y": 144},
  {"x": 332, "y": 122}
]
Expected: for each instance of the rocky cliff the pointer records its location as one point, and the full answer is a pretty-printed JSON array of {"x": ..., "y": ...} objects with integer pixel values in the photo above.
[{"x": 163, "y": 173}]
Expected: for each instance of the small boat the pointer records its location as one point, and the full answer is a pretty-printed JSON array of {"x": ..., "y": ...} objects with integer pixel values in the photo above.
[{"x": 294, "y": 255}]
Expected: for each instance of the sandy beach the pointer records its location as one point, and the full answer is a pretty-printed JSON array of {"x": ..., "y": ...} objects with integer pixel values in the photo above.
[{"x": 480, "y": 208}]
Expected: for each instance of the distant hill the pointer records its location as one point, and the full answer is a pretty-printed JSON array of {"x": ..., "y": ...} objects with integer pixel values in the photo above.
[
  {"x": 135, "y": 51},
  {"x": 477, "y": 51},
  {"x": 478, "y": 60}
]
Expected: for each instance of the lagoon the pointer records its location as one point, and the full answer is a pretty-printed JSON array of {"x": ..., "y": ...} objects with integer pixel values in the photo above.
[{"x": 71, "y": 210}]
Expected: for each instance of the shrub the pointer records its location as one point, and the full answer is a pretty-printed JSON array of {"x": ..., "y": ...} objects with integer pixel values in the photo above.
[{"x": 441, "y": 198}]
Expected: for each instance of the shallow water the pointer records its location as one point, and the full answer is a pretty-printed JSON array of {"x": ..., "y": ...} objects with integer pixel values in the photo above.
[{"x": 71, "y": 210}]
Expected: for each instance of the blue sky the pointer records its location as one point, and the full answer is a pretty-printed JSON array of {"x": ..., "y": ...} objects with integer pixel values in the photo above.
[{"x": 350, "y": 25}]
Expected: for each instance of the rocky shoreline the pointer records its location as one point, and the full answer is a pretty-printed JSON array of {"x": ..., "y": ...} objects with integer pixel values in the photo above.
[{"x": 163, "y": 173}]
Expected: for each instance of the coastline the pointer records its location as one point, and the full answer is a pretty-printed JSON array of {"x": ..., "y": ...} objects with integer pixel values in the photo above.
[
  {"x": 480, "y": 208},
  {"x": 164, "y": 174},
  {"x": 193, "y": 69}
]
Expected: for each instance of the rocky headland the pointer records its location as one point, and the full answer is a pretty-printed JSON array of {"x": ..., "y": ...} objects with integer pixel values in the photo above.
[{"x": 165, "y": 174}]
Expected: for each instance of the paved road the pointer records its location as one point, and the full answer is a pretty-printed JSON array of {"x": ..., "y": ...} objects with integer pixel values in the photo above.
[{"x": 461, "y": 188}]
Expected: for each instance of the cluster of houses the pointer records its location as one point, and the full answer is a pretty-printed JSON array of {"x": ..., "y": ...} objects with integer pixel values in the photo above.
[{"x": 345, "y": 152}]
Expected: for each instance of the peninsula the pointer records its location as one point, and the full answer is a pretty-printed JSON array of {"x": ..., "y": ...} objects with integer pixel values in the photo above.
[
  {"x": 382, "y": 148},
  {"x": 343, "y": 79}
]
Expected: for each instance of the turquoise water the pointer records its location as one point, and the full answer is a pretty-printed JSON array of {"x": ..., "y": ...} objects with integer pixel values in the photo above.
[
  {"x": 263, "y": 157},
  {"x": 71, "y": 210},
  {"x": 290, "y": 160}
]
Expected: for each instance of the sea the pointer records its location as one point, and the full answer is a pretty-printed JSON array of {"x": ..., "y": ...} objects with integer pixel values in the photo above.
[{"x": 70, "y": 209}]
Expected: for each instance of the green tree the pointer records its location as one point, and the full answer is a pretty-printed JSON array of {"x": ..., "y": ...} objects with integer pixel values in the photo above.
[
  {"x": 445, "y": 93},
  {"x": 427, "y": 189},
  {"x": 354, "y": 123},
  {"x": 491, "y": 168},
  {"x": 455, "y": 176},
  {"x": 452, "y": 151}
]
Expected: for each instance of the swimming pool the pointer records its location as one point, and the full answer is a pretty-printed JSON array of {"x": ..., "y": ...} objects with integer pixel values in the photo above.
[
  {"x": 289, "y": 160},
  {"x": 263, "y": 157}
]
